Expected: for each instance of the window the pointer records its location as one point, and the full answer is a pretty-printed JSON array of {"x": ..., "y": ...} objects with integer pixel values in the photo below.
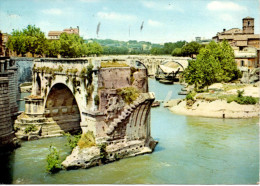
[
  {"x": 242, "y": 63},
  {"x": 248, "y": 23},
  {"x": 249, "y": 63}
]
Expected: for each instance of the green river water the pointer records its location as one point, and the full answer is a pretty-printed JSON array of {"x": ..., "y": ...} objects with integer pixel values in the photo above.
[{"x": 191, "y": 150}]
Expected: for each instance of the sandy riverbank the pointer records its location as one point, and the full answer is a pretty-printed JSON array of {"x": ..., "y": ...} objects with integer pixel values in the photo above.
[
  {"x": 217, "y": 109},
  {"x": 220, "y": 108}
]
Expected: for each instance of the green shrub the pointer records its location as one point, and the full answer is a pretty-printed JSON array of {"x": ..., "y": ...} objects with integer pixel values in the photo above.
[
  {"x": 53, "y": 161},
  {"x": 129, "y": 94},
  {"x": 240, "y": 93},
  {"x": 96, "y": 99},
  {"x": 246, "y": 100},
  {"x": 89, "y": 74},
  {"x": 190, "y": 96},
  {"x": 87, "y": 140},
  {"x": 103, "y": 152},
  {"x": 72, "y": 140},
  {"x": 30, "y": 128}
]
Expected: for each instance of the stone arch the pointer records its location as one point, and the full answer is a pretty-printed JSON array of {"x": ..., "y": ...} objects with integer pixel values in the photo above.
[
  {"x": 62, "y": 106},
  {"x": 166, "y": 61}
]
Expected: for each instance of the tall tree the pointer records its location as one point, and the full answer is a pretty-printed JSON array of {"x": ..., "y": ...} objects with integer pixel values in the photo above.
[
  {"x": 214, "y": 63},
  {"x": 31, "y": 39},
  {"x": 191, "y": 48}
]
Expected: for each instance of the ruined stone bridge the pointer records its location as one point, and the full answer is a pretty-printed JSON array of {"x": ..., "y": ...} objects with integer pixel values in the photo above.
[{"x": 108, "y": 97}]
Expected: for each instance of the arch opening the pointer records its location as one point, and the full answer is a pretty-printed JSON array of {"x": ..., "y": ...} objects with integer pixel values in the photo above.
[
  {"x": 38, "y": 85},
  {"x": 62, "y": 107}
]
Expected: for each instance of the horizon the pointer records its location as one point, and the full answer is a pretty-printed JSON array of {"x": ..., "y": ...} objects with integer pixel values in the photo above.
[{"x": 151, "y": 21}]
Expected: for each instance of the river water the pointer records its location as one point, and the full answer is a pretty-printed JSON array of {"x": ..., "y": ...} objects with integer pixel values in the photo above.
[{"x": 191, "y": 150}]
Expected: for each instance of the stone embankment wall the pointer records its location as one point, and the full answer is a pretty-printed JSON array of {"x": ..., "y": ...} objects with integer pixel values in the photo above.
[
  {"x": 24, "y": 70},
  {"x": 8, "y": 101}
]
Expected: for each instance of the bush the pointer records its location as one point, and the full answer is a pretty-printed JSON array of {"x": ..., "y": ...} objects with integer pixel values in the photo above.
[
  {"x": 190, "y": 96},
  {"x": 96, "y": 99},
  {"x": 87, "y": 140},
  {"x": 72, "y": 140},
  {"x": 103, "y": 152},
  {"x": 53, "y": 161},
  {"x": 240, "y": 93},
  {"x": 30, "y": 128},
  {"x": 129, "y": 94},
  {"x": 246, "y": 100}
]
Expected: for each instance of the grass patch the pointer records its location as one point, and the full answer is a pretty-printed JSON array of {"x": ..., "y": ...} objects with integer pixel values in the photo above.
[
  {"x": 227, "y": 87},
  {"x": 30, "y": 128},
  {"x": 110, "y": 64},
  {"x": 129, "y": 94},
  {"x": 87, "y": 140}
]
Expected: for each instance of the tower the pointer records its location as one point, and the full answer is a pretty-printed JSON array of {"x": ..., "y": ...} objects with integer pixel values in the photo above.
[{"x": 248, "y": 25}]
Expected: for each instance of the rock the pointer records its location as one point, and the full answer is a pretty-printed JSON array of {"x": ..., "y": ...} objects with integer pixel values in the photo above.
[
  {"x": 33, "y": 137},
  {"x": 82, "y": 158},
  {"x": 172, "y": 103}
]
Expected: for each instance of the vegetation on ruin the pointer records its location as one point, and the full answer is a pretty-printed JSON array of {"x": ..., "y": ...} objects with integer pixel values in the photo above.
[
  {"x": 111, "y": 64},
  {"x": 53, "y": 160},
  {"x": 89, "y": 74},
  {"x": 103, "y": 152},
  {"x": 214, "y": 63},
  {"x": 30, "y": 128},
  {"x": 96, "y": 100},
  {"x": 129, "y": 94},
  {"x": 87, "y": 140},
  {"x": 132, "y": 71},
  {"x": 72, "y": 139}
]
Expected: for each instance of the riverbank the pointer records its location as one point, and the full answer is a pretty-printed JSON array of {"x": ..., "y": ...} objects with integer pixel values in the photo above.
[
  {"x": 215, "y": 104},
  {"x": 217, "y": 109}
]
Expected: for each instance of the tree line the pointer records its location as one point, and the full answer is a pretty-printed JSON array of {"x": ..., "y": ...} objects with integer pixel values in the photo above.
[{"x": 32, "y": 39}]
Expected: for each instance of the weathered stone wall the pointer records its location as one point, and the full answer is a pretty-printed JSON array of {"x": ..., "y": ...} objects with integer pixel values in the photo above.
[
  {"x": 6, "y": 128},
  {"x": 8, "y": 101},
  {"x": 114, "y": 78}
]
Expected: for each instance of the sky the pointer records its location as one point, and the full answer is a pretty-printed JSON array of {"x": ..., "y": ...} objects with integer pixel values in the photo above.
[{"x": 161, "y": 20}]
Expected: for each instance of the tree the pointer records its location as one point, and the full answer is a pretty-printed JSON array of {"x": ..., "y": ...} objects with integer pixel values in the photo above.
[
  {"x": 53, "y": 48},
  {"x": 71, "y": 45},
  {"x": 31, "y": 39},
  {"x": 17, "y": 42},
  {"x": 214, "y": 63},
  {"x": 92, "y": 49},
  {"x": 191, "y": 48},
  {"x": 177, "y": 52}
]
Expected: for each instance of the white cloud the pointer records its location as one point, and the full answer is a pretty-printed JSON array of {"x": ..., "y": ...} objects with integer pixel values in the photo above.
[
  {"x": 116, "y": 16},
  {"x": 154, "y": 23},
  {"x": 161, "y": 6},
  {"x": 225, "y": 6},
  {"x": 53, "y": 11}
]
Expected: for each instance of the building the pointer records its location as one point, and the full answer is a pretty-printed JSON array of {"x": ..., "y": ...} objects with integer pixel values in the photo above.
[
  {"x": 3, "y": 40},
  {"x": 56, "y": 34},
  {"x": 244, "y": 42},
  {"x": 202, "y": 40}
]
